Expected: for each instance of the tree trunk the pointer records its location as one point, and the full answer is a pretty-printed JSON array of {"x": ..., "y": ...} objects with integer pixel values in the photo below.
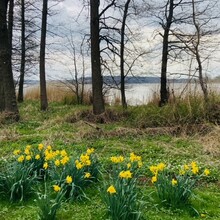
[
  {"x": 97, "y": 81},
  {"x": 43, "y": 88},
  {"x": 2, "y": 94},
  {"x": 202, "y": 80},
  {"x": 123, "y": 97},
  {"x": 22, "y": 67},
  {"x": 10, "y": 107},
  {"x": 164, "y": 93},
  {"x": 10, "y": 22}
]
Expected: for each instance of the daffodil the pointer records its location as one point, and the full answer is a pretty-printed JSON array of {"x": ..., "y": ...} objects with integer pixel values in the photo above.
[
  {"x": 174, "y": 182},
  {"x": 37, "y": 157},
  {"x": 154, "y": 179},
  {"x": 117, "y": 159},
  {"x": 154, "y": 169},
  {"x": 78, "y": 164},
  {"x": 125, "y": 174},
  {"x": 87, "y": 175},
  {"x": 57, "y": 163},
  {"x": 111, "y": 189},
  {"x": 206, "y": 172},
  {"x": 64, "y": 160},
  {"x": 49, "y": 148},
  {"x": 16, "y": 152},
  {"x": 161, "y": 166},
  {"x": 90, "y": 151},
  {"x": 56, "y": 188},
  {"x": 182, "y": 172},
  {"x": 27, "y": 151},
  {"x": 21, "y": 159},
  {"x": 134, "y": 157},
  {"x": 69, "y": 179},
  {"x": 63, "y": 153},
  {"x": 40, "y": 147},
  {"x": 45, "y": 166},
  {"x": 28, "y": 157}
]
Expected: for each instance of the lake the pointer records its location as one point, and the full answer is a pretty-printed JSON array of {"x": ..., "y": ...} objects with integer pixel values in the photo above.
[{"x": 139, "y": 94}]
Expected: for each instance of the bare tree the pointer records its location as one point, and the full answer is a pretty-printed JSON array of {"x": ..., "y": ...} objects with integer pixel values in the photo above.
[
  {"x": 197, "y": 42},
  {"x": 23, "y": 54},
  {"x": 164, "y": 93},
  {"x": 43, "y": 88},
  {"x": 76, "y": 82},
  {"x": 122, "y": 45},
  {"x": 97, "y": 80},
  {"x": 10, "y": 105}
]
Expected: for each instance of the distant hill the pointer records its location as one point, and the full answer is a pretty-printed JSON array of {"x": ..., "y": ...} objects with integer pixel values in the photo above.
[
  {"x": 117, "y": 79},
  {"x": 135, "y": 80}
]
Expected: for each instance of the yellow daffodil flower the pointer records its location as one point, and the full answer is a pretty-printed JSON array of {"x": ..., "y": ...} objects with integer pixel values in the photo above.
[
  {"x": 174, "y": 182},
  {"x": 154, "y": 179},
  {"x": 37, "y": 157},
  {"x": 21, "y": 159},
  {"x": 87, "y": 175},
  {"x": 56, "y": 188},
  {"x": 40, "y": 147},
  {"x": 90, "y": 151},
  {"x": 45, "y": 166},
  {"x": 125, "y": 174},
  {"x": 206, "y": 172},
  {"x": 111, "y": 189},
  {"x": 69, "y": 179}
]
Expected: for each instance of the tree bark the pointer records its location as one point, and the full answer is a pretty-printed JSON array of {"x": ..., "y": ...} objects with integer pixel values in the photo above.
[
  {"x": 43, "y": 88},
  {"x": 97, "y": 80},
  {"x": 23, "y": 49},
  {"x": 122, "y": 43},
  {"x": 10, "y": 104},
  {"x": 202, "y": 80},
  {"x": 164, "y": 93}
]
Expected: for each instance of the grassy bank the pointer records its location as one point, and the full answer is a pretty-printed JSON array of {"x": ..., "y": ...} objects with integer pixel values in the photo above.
[{"x": 158, "y": 135}]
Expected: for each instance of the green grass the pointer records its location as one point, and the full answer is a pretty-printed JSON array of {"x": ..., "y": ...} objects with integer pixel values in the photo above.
[{"x": 121, "y": 137}]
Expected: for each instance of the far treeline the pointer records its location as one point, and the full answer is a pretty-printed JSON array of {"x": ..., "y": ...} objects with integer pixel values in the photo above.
[{"x": 188, "y": 30}]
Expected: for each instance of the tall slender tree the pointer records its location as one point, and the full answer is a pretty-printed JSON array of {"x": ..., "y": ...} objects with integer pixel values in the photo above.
[
  {"x": 164, "y": 93},
  {"x": 43, "y": 87},
  {"x": 10, "y": 104},
  {"x": 23, "y": 54},
  {"x": 122, "y": 61},
  {"x": 97, "y": 80}
]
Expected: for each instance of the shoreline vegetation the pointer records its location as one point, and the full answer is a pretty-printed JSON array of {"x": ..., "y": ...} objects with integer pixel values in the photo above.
[{"x": 185, "y": 130}]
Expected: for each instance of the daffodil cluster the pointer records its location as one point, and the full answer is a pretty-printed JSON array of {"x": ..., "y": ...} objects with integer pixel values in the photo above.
[
  {"x": 175, "y": 188},
  {"x": 122, "y": 187},
  {"x": 75, "y": 173}
]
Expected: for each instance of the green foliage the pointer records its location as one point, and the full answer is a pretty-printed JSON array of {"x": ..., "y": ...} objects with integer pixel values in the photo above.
[
  {"x": 176, "y": 188},
  {"x": 48, "y": 205},
  {"x": 16, "y": 181},
  {"x": 120, "y": 194},
  {"x": 122, "y": 204},
  {"x": 83, "y": 172}
]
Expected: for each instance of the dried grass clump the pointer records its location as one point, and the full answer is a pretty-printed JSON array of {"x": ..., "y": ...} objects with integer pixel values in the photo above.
[
  {"x": 211, "y": 142},
  {"x": 55, "y": 93},
  {"x": 107, "y": 117}
]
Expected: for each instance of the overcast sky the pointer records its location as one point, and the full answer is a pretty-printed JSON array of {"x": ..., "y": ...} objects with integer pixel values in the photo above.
[{"x": 72, "y": 19}]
